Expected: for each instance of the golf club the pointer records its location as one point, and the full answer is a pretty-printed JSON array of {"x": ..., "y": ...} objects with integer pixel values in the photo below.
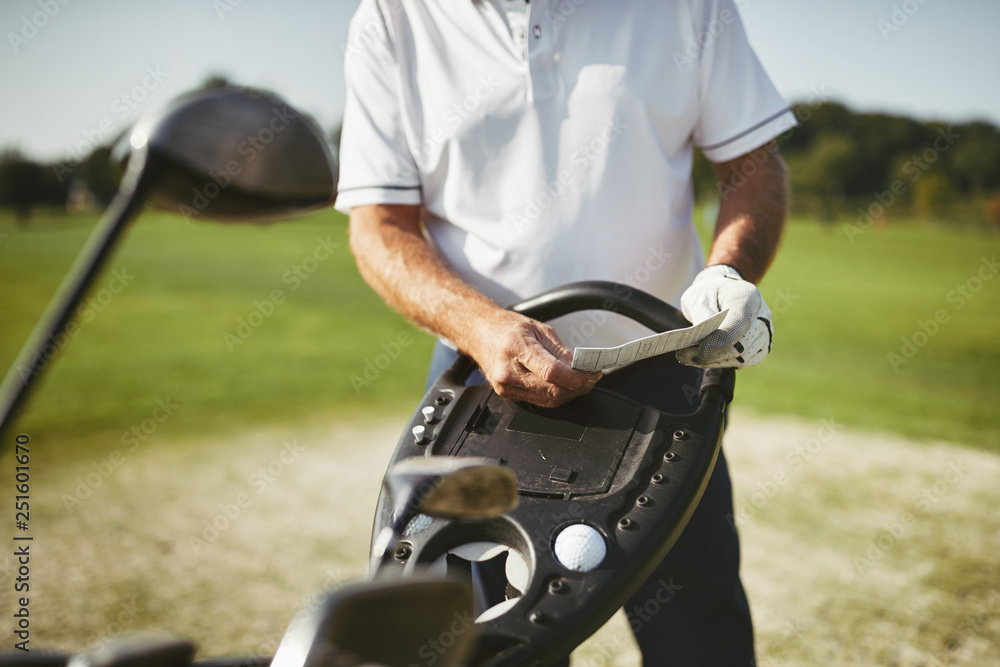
[
  {"x": 383, "y": 623},
  {"x": 439, "y": 486},
  {"x": 228, "y": 155},
  {"x": 138, "y": 652}
]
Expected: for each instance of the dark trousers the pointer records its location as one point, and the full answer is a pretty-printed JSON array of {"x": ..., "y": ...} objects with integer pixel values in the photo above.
[{"x": 692, "y": 610}]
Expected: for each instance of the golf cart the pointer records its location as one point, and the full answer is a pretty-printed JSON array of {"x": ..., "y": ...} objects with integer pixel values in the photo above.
[{"x": 576, "y": 536}]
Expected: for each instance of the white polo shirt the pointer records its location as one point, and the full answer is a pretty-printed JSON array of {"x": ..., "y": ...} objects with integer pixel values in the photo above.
[{"x": 558, "y": 153}]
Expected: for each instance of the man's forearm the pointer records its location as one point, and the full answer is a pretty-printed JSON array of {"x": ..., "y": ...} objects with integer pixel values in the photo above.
[
  {"x": 398, "y": 262},
  {"x": 751, "y": 216},
  {"x": 523, "y": 360}
]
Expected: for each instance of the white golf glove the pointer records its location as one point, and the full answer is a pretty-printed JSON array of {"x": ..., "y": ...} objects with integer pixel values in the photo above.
[{"x": 744, "y": 338}]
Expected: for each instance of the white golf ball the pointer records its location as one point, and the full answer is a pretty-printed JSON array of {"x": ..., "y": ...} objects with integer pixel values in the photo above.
[{"x": 580, "y": 548}]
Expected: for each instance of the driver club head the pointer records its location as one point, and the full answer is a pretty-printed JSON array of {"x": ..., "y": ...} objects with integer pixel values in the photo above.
[{"x": 234, "y": 155}]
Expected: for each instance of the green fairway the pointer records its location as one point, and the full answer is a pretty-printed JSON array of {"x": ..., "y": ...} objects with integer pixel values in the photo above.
[
  {"x": 327, "y": 346},
  {"x": 842, "y": 311},
  {"x": 174, "y": 330}
]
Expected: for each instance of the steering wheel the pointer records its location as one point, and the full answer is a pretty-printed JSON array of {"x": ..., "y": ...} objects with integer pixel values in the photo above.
[{"x": 606, "y": 487}]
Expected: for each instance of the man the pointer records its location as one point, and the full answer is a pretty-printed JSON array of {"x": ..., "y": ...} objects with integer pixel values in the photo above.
[{"x": 494, "y": 149}]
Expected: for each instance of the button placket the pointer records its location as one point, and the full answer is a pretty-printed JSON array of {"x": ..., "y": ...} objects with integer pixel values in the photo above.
[{"x": 541, "y": 63}]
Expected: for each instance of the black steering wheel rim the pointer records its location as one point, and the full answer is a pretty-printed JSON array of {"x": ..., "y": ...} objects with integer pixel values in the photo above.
[{"x": 630, "y": 302}]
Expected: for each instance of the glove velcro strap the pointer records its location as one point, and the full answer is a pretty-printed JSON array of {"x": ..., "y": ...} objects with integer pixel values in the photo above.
[{"x": 719, "y": 271}]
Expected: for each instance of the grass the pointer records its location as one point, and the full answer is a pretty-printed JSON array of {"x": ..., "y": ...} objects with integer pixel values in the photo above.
[
  {"x": 840, "y": 309},
  {"x": 173, "y": 331},
  {"x": 835, "y": 571},
  {"x": 842, "y": 312},
  {"x": 930, "y": 597}
]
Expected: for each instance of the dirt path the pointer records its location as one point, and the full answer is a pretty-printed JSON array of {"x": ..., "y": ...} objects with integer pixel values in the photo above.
[{"x": 858, "y": 549}]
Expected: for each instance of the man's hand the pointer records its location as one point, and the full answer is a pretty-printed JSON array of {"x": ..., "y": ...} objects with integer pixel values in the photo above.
[
  {"x": 744, "y": 338},
  {"x": 751, "y": 218},
  {"x": 524, "y": 360}
]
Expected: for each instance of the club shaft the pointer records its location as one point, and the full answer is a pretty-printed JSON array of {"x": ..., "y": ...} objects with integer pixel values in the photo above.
[{"x": 50, "y": 335}]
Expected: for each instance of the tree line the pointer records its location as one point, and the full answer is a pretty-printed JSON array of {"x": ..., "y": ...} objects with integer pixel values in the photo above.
[
  {"x": 82, "y": 183},
  {"x": 840, "y": 162}
]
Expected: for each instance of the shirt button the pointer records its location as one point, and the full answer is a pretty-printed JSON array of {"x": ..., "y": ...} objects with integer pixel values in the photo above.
[{"x": 537, "y": 31}]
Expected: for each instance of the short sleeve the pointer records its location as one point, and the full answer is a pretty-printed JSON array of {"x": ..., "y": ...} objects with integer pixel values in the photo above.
[
  {"x": 376, "y": 165},
  {"x": 740, "y": 108}
]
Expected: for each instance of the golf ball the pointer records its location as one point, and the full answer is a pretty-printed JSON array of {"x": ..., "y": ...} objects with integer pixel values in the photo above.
[{"x": 580, "y": 548}]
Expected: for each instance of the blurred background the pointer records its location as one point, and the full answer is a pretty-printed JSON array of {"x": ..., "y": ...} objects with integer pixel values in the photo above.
[{"x": 878, "y": 406}]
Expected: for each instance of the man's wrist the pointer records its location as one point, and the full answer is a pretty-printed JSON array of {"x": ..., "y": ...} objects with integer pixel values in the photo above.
[
  {"x": 721, "y": 271},
  {"x": 478, "y": 325}
]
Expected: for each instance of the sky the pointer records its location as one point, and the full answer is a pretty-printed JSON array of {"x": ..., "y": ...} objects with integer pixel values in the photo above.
[{"x": 88, "y": 69}]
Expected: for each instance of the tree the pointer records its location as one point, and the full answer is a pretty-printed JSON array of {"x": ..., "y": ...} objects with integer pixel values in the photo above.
[
  {"x": 974, "y": 160},
  {"x": 216, "y": 82},
  {"x": 20, "y": 184},
  {"x": 933, "y": 194},
  {"x": 98, "y": 173},
  {"x": 819, "y": 175},
  {"x": 993, "y": 211}
]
